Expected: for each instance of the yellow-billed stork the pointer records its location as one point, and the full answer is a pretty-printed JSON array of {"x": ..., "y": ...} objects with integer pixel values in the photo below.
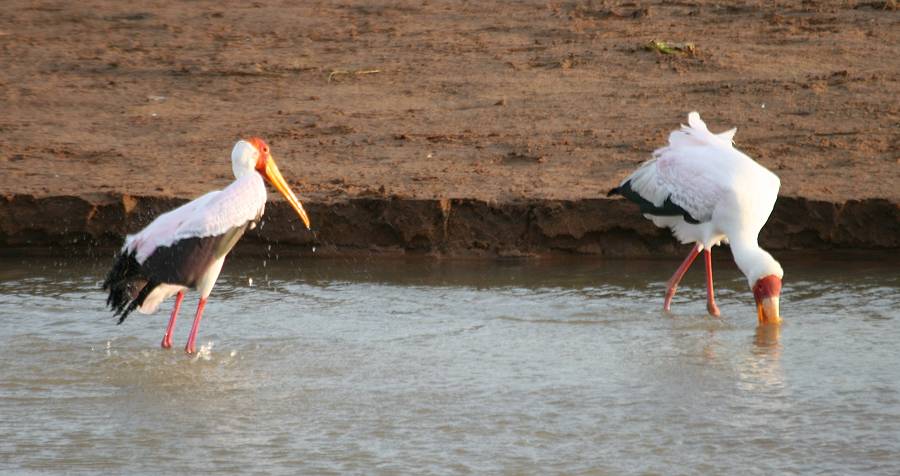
[
  {"x": 708, "y": 192},
  {"x": 186, "y": 247}
]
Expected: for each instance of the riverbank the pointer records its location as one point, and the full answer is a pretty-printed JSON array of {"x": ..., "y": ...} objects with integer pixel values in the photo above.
[
  {"x": 452, "y": 228},
  {"x": 439, "y": 128}
]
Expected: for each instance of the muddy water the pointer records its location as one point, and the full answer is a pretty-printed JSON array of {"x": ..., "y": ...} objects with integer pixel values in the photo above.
[{"x": 329, "y": 366}]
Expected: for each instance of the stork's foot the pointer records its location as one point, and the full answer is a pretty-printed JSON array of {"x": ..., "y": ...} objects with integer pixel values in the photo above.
[
  {"x": 710, "y": 293},
  {"x": 672, "y": 284},
  {"x": 667, "y": 304},
  {"x": 192, "y": 337}
]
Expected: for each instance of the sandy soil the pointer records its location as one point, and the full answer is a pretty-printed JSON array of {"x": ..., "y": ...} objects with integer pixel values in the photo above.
[
  {"x": 496, "y": 101},
  {"x": 490, "y": 100}
]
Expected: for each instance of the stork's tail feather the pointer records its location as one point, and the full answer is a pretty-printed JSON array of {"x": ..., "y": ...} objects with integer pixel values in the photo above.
[
  {"x": 126, "y": 285},
  {"x": 696, "y": 133}
]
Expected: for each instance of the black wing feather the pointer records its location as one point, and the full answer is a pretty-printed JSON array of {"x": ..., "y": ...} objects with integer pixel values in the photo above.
[
  {"x": 183, "y": 263},
  {"x": 667, "y": 209},
  {"x": 127, "y": 285}
]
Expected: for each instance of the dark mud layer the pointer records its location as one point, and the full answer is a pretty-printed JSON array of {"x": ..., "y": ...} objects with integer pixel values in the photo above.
[{"x": 450, "y": 227}]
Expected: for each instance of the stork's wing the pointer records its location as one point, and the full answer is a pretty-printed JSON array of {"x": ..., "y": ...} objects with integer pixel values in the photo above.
[
  {"x": 185, "y": 261},
  {"x": 240, "y": 202},
  {"x": 687, "y": 178},
  {"x": 161, "y": 231},
  {"x": 213, "y": 214}
]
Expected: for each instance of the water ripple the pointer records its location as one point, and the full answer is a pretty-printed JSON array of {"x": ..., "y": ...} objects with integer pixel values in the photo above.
[{"x": 442, "y": 368}]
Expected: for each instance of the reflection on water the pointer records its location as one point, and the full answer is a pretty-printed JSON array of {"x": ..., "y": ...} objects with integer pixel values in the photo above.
[
  {"x": 436, "y": 367},
  {"x": 763, "y": 366},
  {"x": 768, "y": 338}
]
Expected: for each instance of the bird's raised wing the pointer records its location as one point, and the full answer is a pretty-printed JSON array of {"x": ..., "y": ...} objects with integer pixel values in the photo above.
[{"x": 687, "y": 177}]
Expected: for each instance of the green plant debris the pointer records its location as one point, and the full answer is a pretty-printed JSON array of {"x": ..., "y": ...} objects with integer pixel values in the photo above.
[
  {"x": 340, "y": 72},
  {"x": 669, "y": 48}
]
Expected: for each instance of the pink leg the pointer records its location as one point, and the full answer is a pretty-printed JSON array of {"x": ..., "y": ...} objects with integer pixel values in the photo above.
[
  {"x": 190, "y": 348},
  {"x": 710, "y": 295},
  {"x": 167, "y": 339},
  {"x": 679, "y": 273}
]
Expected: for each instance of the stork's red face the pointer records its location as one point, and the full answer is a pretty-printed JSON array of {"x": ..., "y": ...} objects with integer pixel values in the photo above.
[
  {"x": 266, "y": 167},
  {"x": 767, "y": 291},
  {"x": 264, "y": 153}
]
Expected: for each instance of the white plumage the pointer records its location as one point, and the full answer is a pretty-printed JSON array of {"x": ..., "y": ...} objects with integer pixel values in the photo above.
[
  {"x": 729, "y": 193},
  {"x": 186, "y": 247},
  {"x": 209, "y": 215},
  {"x": 212, "y": 214},
  {"x": 708, "y": 192}
]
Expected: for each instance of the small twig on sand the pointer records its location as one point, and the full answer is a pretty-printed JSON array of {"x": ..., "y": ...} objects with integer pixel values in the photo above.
[{"x": 340, "y": 72}]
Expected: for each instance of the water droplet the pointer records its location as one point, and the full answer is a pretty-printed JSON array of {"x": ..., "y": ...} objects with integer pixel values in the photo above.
[{"x": 205, "y": 352}]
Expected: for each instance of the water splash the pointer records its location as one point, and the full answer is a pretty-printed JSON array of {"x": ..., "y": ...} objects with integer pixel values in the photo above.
[{"x": 204, "y": 353}]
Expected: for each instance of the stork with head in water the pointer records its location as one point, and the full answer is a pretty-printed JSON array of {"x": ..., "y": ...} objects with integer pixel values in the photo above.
[
  {"x": 186, "y": 247},
  {"x": 708, "y": 192}
]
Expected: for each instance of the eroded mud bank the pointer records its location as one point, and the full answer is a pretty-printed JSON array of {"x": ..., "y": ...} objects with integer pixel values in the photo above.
[{"x": 449, "y": 227}]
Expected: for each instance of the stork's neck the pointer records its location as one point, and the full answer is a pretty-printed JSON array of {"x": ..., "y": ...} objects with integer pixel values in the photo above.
[{"x": 753, "y": 261}]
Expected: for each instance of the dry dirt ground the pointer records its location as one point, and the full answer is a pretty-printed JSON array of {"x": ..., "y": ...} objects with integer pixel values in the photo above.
[{"x": 500, "y": 102}]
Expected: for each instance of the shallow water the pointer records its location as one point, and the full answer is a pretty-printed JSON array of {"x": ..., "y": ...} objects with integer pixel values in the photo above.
[{"x": 331, "y": 366}]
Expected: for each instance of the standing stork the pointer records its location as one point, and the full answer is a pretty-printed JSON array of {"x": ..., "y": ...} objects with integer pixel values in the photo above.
[
  {"x": 186, "y": 247},
  {"x": 708, "y": 192}
]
